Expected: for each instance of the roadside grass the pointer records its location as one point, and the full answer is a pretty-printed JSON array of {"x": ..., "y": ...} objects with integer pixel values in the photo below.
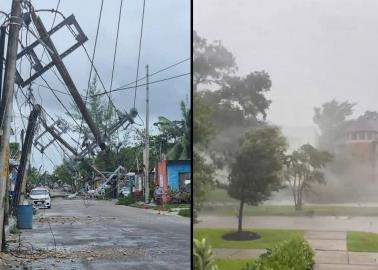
[
  {"x": 185, "y": 212},
  {"x": 226, "y": 264},
  {"x": 269, "y": 238},
  {"x": 166, "y": 207},
  {"x": 309, "y": 210},
  {"x": 362, "y": 241},
  {"x": 227, "y": 206}
]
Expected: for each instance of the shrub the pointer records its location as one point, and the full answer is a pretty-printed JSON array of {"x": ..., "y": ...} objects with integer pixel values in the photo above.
[
  {"x": 185, "y": 212},
  {"x": 126, "y": 200},
  {"x": 203, "y": 255},
  {"x": 294, "y": 254}
]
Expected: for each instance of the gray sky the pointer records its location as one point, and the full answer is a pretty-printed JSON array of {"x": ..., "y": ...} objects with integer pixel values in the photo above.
[
  {"x": 166, "y": 40},
  {"x": 314, "y": 51}
]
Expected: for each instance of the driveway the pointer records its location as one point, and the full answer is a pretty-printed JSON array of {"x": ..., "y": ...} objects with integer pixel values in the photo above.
[{"x": 102, "y": 235}]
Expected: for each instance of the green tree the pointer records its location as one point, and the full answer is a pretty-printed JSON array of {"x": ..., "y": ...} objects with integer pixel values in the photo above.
[
  {"x": 202, "y": 129},
  {"x": 33, "y": 176},
  {"x": 256, "y": 170},
  {"x": 237, "y": 103},
  {"x": 178, "y": 133},
  {"x": 202, "y": 180},
  {"x": 303, "y": 168},
  {"x": 369, "y": 115},
  {"x": 65, "y": 173},
  {"x": 97, "y": 105},
  {"x": 14, "y": 150},
  {"x": 202, "y": 171},
  {"x": 331, "y": 119},
  {"x": 211, "y": 62}
]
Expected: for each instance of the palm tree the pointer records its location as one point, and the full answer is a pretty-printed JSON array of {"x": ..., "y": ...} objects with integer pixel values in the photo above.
[{"x": 178, "y": 134}]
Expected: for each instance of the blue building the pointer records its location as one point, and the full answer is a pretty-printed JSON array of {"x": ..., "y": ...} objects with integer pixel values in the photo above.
[{"x": 173, "y": 174}]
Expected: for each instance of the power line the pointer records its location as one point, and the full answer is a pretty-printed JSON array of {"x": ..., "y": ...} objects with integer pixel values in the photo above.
[
  {"x": 108, "y": 114},
  {"x": 154, "y": 73},
  {"x": 140, "y": 85},
  {"x": 61, "y": 103},
  {"x": 52, "y": 25},
  {"x": 98, "y": 75},
  {"x": 91, "y": 69},
  {"x": 95, "y": 44},
  {"x": 55, "y": 90},
  {"x": 140, "y": 46},
  {"x": 116, "y": 43}
]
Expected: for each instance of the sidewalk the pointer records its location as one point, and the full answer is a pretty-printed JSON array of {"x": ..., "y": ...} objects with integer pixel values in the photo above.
[
  {"x": 330, "y": 249},
  {"x": 236, "y": 254},
  {"x": 12, "y": 222},
  {"x": 331, "y": 252}
]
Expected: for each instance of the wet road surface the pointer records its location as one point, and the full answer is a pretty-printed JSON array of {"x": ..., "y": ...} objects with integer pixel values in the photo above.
[
  {"x": 102, "y": 235},
  {"x": 318, "y": 223}
]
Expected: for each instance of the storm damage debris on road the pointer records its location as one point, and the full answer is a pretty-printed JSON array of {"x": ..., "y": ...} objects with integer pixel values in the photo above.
[{"x": 28, "y": 256}]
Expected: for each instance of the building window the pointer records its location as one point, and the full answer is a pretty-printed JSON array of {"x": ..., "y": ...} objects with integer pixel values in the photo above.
[{"x": 184, "y": 178}]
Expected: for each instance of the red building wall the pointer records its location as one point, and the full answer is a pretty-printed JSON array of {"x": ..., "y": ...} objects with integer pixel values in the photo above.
[{"x": 161, "y": 174}]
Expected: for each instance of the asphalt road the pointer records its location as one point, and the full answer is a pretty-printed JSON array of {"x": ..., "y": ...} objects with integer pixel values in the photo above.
[{"x": 102, "y": 235}]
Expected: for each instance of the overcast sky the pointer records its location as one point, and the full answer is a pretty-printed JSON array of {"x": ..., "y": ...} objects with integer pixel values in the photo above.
[
  {"x": 166, "y": 40},
  {"x": 314, "y": 51}
]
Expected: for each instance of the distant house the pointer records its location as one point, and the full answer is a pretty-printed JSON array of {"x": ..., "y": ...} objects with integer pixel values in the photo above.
[
  {"x": 359, "y": 144},
  {"x": 173, "y": 174}
]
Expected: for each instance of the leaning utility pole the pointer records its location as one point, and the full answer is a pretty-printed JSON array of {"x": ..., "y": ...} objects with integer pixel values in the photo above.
[
  {"x": 147, "y": 146},
  {"x": 20, "y": 186},
  {"x": 7, "y": 104},
  {"x": 50, "y": 47}
]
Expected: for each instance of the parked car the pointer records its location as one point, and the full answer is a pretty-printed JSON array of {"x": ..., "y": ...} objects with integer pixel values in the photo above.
[{"x": 40, "y": 197}]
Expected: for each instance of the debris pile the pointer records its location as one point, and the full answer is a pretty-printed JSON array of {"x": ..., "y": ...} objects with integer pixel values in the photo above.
[{"x": 25, "y": 257}]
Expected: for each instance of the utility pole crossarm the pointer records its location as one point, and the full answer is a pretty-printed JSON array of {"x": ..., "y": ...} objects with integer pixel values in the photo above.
[
  {"x": 58, "y": 138},
  {"x": 50, "y": 48}
]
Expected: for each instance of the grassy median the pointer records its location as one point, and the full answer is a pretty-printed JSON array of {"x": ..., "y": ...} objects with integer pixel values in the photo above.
[
  {"x": 226, "y": 264},
  {"x": 362, "y": 242},
  {"x": 269, "y": 238}
]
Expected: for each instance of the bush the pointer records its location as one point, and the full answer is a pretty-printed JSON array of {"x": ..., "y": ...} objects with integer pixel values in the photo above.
[
  {"x": 185, "y": 212},
  {"x": 126, "y": 200},
  {"x": 295, "y": 254},
  {"x": 203, "y": 255}
]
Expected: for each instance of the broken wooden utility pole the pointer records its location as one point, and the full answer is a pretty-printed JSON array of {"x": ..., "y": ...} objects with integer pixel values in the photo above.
[
  {"x": 50, "y": 48},
  {"x": 147, "y": 146},
  {"x": 20, "y": 186},
  {"x": 7, "y": 104},
  {"x": 2, "y": 47}
]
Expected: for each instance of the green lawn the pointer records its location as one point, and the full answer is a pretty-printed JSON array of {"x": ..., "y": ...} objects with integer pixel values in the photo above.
[
  {"x": 269, "y": 238},
  {"x": 218, "y": 195},
  {"x": 362, "y": 242},
  {"x": 225, "y": 264}
]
